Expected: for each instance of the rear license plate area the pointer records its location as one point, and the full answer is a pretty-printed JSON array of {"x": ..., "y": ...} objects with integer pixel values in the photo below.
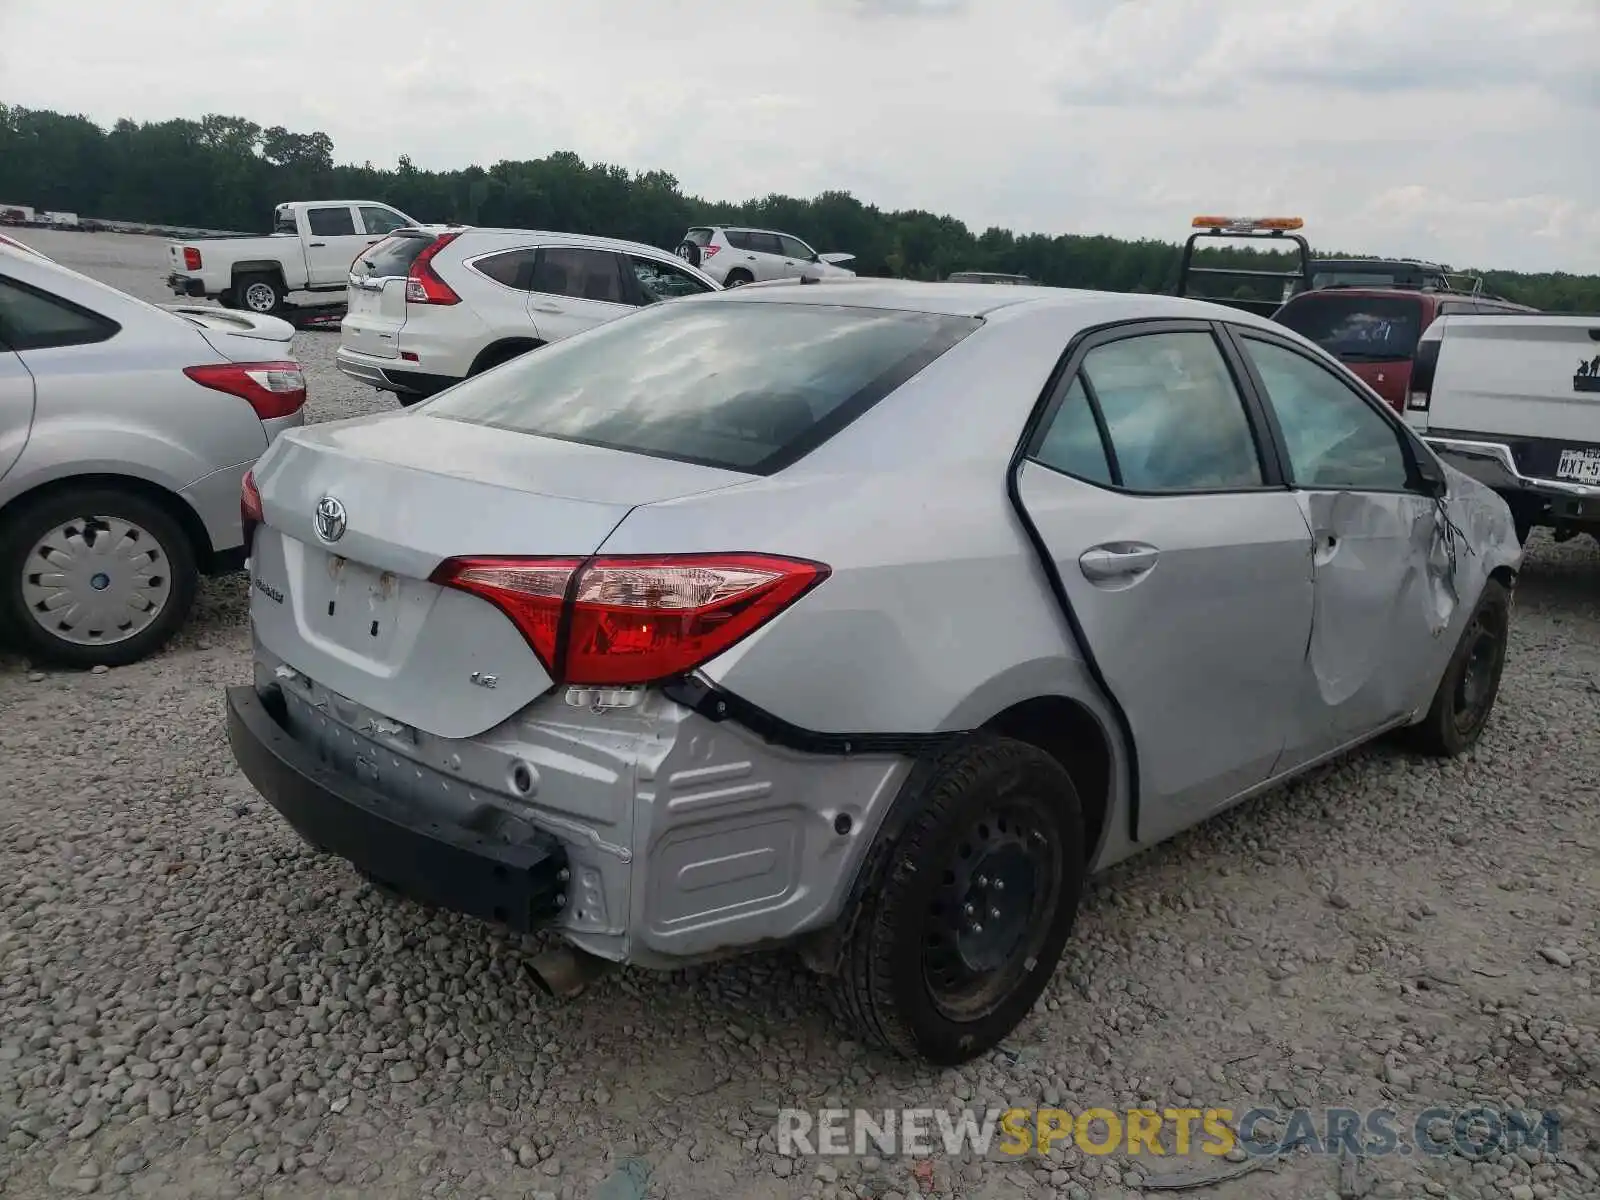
[
  {"x": 353, "y": 605},
  {"x": 1579, "y": 466}
]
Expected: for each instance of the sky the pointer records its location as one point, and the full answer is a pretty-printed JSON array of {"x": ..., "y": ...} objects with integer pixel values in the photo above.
[{"x": 1463, "y": 131}]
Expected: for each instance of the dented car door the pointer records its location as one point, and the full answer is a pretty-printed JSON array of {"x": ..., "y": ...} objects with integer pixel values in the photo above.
[{"x": 1381, "y": 574}]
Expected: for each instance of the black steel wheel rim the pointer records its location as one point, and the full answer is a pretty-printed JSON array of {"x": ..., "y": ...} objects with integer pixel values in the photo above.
[
  {"x": 1474, "y": 690},
  {"x": 991, "y": 910}
]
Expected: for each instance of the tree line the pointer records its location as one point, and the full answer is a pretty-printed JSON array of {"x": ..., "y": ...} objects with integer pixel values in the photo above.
[{"x": 225, "y": 172}]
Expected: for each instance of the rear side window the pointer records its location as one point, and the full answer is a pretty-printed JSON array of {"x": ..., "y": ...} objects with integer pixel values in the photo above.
[
  {"x": 1173, "y": 418},
  {"x": 700, "y": 237},
  {"x": 1357, "y": 328},
  {"x": 740, "y": 386},
  {"x": 581, "y": 274},
  {"x": 34, "y": 320},
  {"x": 513, "y": 268},
  {"x": 392, "y": 257},
  {"x": 763, "y": 243},
  {"x": 330, "y": 222}
]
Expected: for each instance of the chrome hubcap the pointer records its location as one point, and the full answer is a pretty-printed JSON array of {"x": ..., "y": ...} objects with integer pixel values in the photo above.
[
  {"x": 96, "y": 581},
  {"x": 259, "y": 297}
]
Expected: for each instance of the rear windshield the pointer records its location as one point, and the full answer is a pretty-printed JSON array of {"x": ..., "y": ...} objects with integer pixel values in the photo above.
[
  {"x": 700, "y": 237},
  {"x": 1357, "y": 328},
  {"x": 392, "y": 257},
  {"x": 742, "y": 386}
]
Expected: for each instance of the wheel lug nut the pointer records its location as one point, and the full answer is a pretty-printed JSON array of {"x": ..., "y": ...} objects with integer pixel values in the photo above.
[
  {"x": 983, "y": 881},
  {"x": 970, "y": 910},
  {"x": 999, "y": 885},
  {"x": 976, "y": 928},
  {"x": 994, "y": 914}
]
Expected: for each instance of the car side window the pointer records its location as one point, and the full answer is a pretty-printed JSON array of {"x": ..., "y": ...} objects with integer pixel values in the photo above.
[
  {"x": 763, "y": 243},
  {"x": 330, "y": 222},
  {"x": 795, "y": 248},
  {"x": 737, "y": 238},
  {"x": 1336, "y": 440},
  {"x": 580, "y": 273},
  {"x": 34, "y": 320},
  {"x": 513, "y": 268},
  {"x": 663, "y": 281},
  {"x": 381, "y": 220},
  {"x": 1072, "y": 442},
  {"x": 1171, "y": 410}
]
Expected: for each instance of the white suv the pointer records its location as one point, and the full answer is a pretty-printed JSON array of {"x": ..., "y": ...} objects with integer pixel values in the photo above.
[
  {"x": 431, "y": 305},
  {"x": 734, "y": 255}
]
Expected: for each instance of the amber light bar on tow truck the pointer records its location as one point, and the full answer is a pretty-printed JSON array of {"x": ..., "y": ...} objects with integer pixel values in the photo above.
[{"x": 1248, "y": 224}]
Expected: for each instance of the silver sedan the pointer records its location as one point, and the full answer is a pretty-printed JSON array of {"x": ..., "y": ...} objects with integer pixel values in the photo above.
[
  {"x": 125, "y": 430},
  {"x": 868, "y": 617}
]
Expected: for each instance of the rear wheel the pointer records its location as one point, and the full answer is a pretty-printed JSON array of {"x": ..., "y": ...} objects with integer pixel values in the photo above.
[
  {"x": 962, "y": 912},
  {"x": 101, "y": 577},
  {"x": 259, "y": 294},
  {"x": 738, "y": 278},
  {"x": 1471, "y": 682}
]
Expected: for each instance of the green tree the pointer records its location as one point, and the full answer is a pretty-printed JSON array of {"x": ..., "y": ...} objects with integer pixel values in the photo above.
[{"x": 225, "y": 172}]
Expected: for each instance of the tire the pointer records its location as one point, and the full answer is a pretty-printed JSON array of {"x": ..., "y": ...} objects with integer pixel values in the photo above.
[
  {"x": 262, "y": 294},
  {"x": 912, "y": 939},
  {"x": 1466, "y": 694},
  {"x": 161, "y": 574},
  {"x": 689, "y": 252},
  {"x": 738, "y": 278}
]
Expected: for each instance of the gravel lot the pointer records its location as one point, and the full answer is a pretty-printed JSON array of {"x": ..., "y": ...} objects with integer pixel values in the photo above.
[{"x": 194, "y": 1004}]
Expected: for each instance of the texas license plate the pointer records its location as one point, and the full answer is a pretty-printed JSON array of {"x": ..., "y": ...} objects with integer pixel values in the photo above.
[{"x": 1580, "y": 466}]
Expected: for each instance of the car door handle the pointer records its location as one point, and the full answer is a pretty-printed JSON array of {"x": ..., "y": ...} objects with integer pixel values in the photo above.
[
  {"x": 315, "y": 245},
  {"x": 544, "y": 306},
  {"x": 1117, "y": 561}
]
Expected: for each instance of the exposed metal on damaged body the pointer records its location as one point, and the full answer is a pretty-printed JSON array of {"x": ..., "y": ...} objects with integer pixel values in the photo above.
[{"x": 908, "y": 608}]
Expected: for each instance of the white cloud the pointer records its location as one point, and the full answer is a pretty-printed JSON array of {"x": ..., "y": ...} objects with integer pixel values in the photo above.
[{"x": 1453, "y": 129}]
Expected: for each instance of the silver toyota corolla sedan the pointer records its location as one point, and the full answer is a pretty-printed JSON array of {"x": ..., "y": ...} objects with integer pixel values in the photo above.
[
  {"x": 865, "y": 616},
  {"x": 125, "y": 430}
]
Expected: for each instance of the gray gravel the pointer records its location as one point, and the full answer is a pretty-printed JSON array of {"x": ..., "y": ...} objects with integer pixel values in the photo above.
[{"x": 194, "y": 1004}]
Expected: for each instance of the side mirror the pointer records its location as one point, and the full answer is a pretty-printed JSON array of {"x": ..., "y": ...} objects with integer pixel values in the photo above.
[{"x": 1431, "y": 475}]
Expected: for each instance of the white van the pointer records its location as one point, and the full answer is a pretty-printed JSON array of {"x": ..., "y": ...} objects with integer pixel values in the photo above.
[{"x": 1514, "y": 401}]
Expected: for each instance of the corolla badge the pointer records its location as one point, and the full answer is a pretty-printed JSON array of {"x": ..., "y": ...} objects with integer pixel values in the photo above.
[{"x": 330, "y": 519}]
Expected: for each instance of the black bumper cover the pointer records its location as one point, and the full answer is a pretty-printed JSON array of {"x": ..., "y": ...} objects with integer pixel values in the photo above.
[
  {"x": 185, "y": 286},
  {"x": 520, "y": 885}
]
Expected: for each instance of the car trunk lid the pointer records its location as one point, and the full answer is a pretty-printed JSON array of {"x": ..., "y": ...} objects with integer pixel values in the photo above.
[{"x": 351, "y": 604}]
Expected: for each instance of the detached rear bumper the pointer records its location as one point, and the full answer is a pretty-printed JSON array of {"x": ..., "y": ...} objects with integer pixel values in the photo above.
[
  {"x": 186, "y": 285},
  {"x": 415, "y": 852}
]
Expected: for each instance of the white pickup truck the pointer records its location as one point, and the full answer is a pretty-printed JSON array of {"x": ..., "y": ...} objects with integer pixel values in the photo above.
[
  {"x": 310, "y": 249},
  {"x": 1514, "y": 400}
]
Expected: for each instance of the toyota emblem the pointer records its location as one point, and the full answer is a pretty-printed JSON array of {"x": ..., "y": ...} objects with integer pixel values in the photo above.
[{"x": 330, "y": 519}]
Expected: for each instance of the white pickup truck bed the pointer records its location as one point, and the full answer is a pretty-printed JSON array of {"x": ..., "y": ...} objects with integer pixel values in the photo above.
[{"x": 1514, "y": 400}]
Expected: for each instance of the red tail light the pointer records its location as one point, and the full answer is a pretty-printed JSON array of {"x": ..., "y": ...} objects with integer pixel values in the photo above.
[
  {"x": 250, "y": 514},
  {"x": 708, "y": 252},
  {"x": 191, "y": 259},
  {"x": 423, "y": 285},
  {"x": 273, "y": 389},
  {"x": 634, "y": 620}
]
